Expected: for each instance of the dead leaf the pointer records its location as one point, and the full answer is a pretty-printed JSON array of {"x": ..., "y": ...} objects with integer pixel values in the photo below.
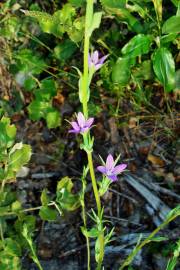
[{"x": 155, "y": 160}]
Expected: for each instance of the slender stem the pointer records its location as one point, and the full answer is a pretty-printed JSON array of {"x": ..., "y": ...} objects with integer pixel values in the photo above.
[
  {"x": 87, "y": 238},
  {"x": 94, "y": 184},
  {"x": 85, "y": 75}
]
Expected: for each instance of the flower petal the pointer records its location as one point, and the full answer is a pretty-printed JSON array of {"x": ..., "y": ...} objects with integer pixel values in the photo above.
[
  {"x": 95, "y": 57},
  {"x": 102, "y": 169},
  {"x": 109, "y": 163},
  {"x": 89, "y": 122},
  {"x": 73, "y": 131},
  {"x": 119, "y": 168},
  {"x": 81, "y": 119},
  {"x": 75, "y": 125},
  {"x": 90, "y": 63},
  {"x": 112, "y": 177},
  {"x": 102, "y": 59}
]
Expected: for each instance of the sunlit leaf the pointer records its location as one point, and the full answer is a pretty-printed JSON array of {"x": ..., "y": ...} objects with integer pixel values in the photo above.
[
  {"x": 164, "y": 68},
  {"x": 172, "y": 25},
  {"x": 138, "y": 45}
]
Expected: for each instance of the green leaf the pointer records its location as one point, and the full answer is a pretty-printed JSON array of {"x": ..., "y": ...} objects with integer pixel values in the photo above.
[
  {"x": 65, "y": 198},
  {"x": 175, "y": 2},
  {"x": 28, "y": 63},
  {"x": 8, "y": 262},
  {"x": 44, "y": 197},
  {"x": 53, "y": 118},
  {"x": 47, "y": 213},
  {"x": 7, "y": 133},
  {"x": 125, "y": 16},
  {"x": 121, "y": 71},
  {"x": 45, "y": 20},
  {"x": 38, "y": 109},
  {"x": 167, "y": 38},
  {"x": 77, "y": 3},
  {"x": 76, "y": 32},
  {"x": 113, "y": 3},
  {"x": 12, "y": 248},
  {"x": 65, "y": 50},
  {"x": 96, "y": 20},
  {"x": 29, "y": 84},
  {"x": 138, "y": 45},
  {"x": 159, "y": 238},
  {"x": 47, "y": 90},
  {"x": 19, "y": 155},
  {"x": 16, "y": 206},
  {"x": 164, "y": 68},
  {"x": 92, "y": 233},
  {"x": 172, "y": 25}
]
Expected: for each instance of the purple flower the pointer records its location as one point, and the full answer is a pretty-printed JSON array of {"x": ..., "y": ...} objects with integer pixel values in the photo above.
[
  {"x": 95, "y": 61},
  {"x": 82, "y": 125},
  {"x": 110, "y": 170}
]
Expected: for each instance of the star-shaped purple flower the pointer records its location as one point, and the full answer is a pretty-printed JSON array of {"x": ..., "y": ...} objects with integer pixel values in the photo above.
[
  {"x": 110, "y": 170},
  {"x": 82, "y": 125},
  {"x": 95, "y": 61}
]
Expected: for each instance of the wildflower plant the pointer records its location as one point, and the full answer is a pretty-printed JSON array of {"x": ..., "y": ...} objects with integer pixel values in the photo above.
[{"x": 92, "y": 63}]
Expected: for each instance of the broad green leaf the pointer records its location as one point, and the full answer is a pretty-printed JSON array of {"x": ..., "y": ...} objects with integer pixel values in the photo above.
[
  {"x": 47, "y": 213},
  {"x": 53, "y": 118},
  {"x": 47, "y": 90},
  {"x": 38, "y": 109},
  {"x": 63, "y": 51},
  {"x": 167, "y": 38},
  {"x": 7, "y": 133},
  {"x": 17, "y": 158},
  {"x": 164, "y": 68},
  {"x": 172, "y": 25},
  {"x": 138, "y": 45},
  {"x": 121, "y": 71}
]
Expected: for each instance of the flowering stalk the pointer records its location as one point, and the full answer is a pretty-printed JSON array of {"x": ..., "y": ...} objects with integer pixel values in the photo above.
[{"x": 85, "y": 90}]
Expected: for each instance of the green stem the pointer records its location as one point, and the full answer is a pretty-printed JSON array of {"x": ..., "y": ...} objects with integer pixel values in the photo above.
[
  {"x": 85, "y": 76},
  {"x": 87, "y": 238},
  {"x": 94, "y": 184}
]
